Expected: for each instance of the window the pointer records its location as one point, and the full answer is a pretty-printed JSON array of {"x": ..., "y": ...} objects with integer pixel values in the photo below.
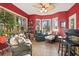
[
  {"x": 72, "y": 22},
  {"x": 55, "y": 24},
  {"x": 46, "y": 25},
  {"x": 22, "y": 22},
  {"x": 38, "y": 25}
]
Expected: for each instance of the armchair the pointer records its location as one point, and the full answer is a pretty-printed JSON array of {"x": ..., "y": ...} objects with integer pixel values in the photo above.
[{"x": 39, "y": 36}]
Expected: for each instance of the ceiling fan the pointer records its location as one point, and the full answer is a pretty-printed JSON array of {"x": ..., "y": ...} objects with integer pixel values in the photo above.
[{"x": 44, "y": 7}]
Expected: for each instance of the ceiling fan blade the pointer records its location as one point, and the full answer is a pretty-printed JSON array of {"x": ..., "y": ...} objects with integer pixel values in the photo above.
[
  {"x": 50, "y": 8},
  {"x": 45, "y": 6},
  {"x": 37, "y": 6},
  {"x": 49, "y": 5}
]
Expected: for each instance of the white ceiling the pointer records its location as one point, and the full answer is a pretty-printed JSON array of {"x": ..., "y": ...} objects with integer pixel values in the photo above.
[{"x": 30, "y": 9}]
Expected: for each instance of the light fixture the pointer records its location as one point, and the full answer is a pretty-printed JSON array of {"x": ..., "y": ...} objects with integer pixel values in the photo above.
[
  {"x": 45, "y": 7},
  {"x": 43, "y": 10}
]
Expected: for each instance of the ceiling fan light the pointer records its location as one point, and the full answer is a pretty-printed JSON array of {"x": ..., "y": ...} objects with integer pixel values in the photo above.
[
  {"x": 45, "y": 7},
  {"x": 45, "y": 10},
  {"x": 41, "y": 11}
]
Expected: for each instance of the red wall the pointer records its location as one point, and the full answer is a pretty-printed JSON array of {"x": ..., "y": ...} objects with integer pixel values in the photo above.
[
  {"x": 73, "y": 10},
  {"x": 61, "y": 17},
  {"x": 13, "y": 8},
  {"x": 32, "y": 18}
]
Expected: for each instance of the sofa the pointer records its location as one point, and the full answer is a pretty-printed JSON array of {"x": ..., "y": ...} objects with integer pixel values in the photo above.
[
  {"x": 20, "y": 46},
  {"x": 74, "y": 32}
]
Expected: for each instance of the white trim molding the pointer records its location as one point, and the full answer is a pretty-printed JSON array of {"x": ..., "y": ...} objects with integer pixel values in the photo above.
[{"x": 12, "y": 12}]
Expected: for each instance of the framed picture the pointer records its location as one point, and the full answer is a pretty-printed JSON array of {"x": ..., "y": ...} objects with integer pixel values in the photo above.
[
  {"x": 63, "y": 24},
  {"x": 72, "y": 22}
]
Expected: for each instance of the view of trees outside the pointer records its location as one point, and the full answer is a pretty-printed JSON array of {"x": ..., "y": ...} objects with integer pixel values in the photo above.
[
  {"x": 7, "y": 20},
  {"x": 72, "y": 21},
  {"x": 10, "y": 23},
  {"x": 46, "y": 26},
  {"x": 55, "y": 24},
  {"x": 38, "y": 25}
]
